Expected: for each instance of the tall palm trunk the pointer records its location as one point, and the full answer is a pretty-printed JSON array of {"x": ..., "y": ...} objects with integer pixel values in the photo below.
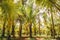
[
  {"x": 8, "y": 30},
  {"x": 30, "y": 27},
  {"x": 13, "y": 31},
  {"x": 3, "y": 31},
  {"x": 20, "y": 31},
  {"x": 52, "y": 28},
  {"x": 20, "y": 28}
]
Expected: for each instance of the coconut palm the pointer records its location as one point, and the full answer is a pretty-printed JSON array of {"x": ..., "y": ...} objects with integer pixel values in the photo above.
[
  {"x": 7, "y": 6},
  {"x": 31, "y": 18},
  {"x": 4, "y": 22},
  {"x": 30, "y": 15},
  {"x": 49, "y": 4}
]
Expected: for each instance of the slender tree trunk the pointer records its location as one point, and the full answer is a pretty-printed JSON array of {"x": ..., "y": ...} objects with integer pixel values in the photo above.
[
  {"x": 52, "y": 30},
  {"x": 30, "y": 27},
  {"x": 20, "y": 28},
  {"x": 9, "y": 36},
  {"x": 3, "y": 31},
  {"x": 13, "y": 31},
  {"x": 20, "y": 31},
  {"x": 9, "y": 27}
]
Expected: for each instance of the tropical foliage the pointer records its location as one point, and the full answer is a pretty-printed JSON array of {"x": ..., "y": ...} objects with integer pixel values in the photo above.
[{"x": 29, "y": 18}]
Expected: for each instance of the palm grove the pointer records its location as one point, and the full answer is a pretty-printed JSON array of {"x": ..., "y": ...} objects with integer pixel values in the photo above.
[{"x": 29, "y": 17}]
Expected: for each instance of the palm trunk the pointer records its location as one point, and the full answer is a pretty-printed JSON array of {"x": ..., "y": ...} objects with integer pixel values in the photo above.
[
  {"x": 8, "y": 30},
  {"x": 9, "y": 36},
  {"x": 30, "y": 26},
  {"x": 3, "y": 31},
  {"x": 13, "y": 31},
  {"x": 20, "y": 31},
  {"x": 52, "y": 30}
]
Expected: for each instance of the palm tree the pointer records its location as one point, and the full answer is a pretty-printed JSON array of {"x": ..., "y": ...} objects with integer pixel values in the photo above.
[
  {"x": 49, "y": 4},
  {"x": 30, "y": 19},
  {"x": 13, "y": 29},
  {"x": 4, "y": 21},
  {"x": 53, "y": 29},
  {"x": 9, "y": 13},
  {"x": 20, "y": 27},
  {"x": 21, "y": 18},
  {"x": 29, "y": 16},
  {"x": 4, "y": 8},
  {"x": 3, "y": 31}
]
